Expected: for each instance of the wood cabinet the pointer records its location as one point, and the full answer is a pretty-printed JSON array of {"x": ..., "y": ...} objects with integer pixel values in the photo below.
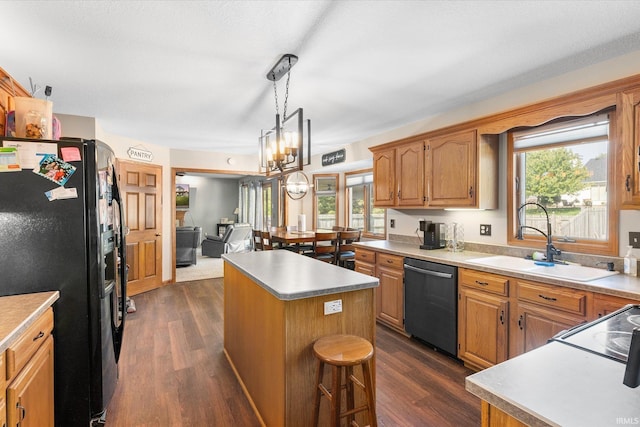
[
  {"x": 483, "y": 318},
  {"x": 445, "y": 171},
  {"x": 493, "y": 416},
  {"x": 390, "y": 292},
  {"x": 365, "y": 262},
  {"x": 3, "y": 386},
  {"x": 628, "y": 153},
  {"x": 29, "y": 360},
  {"x": 461, "y": 171},
  {"x": 543, "y": 311},
  {"x": 399, "y": 176},
  {"x": 605, "y": 304}
]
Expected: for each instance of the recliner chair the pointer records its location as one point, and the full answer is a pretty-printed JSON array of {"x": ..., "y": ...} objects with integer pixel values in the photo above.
[
  {"x": 237, "y": 238},
  {"x": 187, "y": 241}
]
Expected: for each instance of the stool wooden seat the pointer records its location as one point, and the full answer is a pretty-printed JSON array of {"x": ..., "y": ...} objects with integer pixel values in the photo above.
[{"x": 344, "y": 351}]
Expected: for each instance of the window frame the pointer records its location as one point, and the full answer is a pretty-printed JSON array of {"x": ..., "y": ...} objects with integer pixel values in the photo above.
[
  {"x": 586, "y": 246},
  {"x": 368, "y": 195},
  {"x": 317, "y": 193}
]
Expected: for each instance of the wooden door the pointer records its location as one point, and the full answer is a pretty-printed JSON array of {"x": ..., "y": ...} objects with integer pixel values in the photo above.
[
  {"x": 482, "y": 328},
  {"x": 628, "y": 151},
  {"x": 141, "y": 187},
  {"x": 451, "y": 170},
  {"x": 384, "y": 163},
  {"x": 410, "y": 174}
]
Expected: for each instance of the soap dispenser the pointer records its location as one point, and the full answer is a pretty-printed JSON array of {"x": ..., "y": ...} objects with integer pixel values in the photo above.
[{"x": 630, "y": 263}]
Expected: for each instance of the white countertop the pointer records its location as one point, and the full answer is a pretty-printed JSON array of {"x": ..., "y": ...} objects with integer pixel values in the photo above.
[
  {"x": 559, "y": 385},
  {"x": 618, "y": 285},
  {"x": 290, "y": 276}
]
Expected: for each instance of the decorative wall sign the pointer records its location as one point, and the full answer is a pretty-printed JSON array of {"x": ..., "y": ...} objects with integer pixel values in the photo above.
[
  {"x": 140, "y": 154},
  {"x": 334, "y": 157}
]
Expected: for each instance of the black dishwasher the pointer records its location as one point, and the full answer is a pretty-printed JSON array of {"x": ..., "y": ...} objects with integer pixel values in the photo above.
[{"x": 430, "y": 303}]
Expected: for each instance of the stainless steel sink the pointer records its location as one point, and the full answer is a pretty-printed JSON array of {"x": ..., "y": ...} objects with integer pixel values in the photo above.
[{"x": 560, "y": 271}]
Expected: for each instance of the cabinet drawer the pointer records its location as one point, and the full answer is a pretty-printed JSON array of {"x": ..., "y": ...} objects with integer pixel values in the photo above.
[
  {"x": 19, "y": 353},
  {"x": 391, "y": 261},
  {"x": 485, "y": 281},
  {"x": 556, "y": 297},
  {"x": 365, "y": 256}
]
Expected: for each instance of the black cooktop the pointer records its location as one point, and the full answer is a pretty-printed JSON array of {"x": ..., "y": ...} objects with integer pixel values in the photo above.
[{"x": 609, "y": 336}]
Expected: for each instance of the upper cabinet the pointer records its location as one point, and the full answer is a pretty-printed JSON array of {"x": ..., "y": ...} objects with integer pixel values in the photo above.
[
  {"x": 629, "y": 148},
  {"x": 458, "y": 170},
  {"x": 398, "y": 174}
]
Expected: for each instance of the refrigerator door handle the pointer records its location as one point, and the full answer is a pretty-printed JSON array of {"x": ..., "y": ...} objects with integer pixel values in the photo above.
[{"x": 124, "y": 268}]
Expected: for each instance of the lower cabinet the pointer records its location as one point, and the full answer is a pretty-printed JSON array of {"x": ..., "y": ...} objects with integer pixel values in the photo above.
[
  {"x": 29, "y": 390},
  {"x": 605, "y": 304},
  {"x": 3, "y": 385},
  {"x": 390, "y": 293},
  {"x": 500, "y": 317},
  {"x": 483, "y": 318}
]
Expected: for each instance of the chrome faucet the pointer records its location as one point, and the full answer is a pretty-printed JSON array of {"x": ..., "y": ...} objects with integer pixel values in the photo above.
[{"x": 551, "y": 250}]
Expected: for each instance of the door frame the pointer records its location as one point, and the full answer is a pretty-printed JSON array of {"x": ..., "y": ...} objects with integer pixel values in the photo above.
[{"x": 174, "y": 172}]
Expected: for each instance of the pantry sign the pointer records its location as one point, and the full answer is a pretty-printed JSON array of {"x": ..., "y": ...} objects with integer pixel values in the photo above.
[{"x": 137, "y": 153}]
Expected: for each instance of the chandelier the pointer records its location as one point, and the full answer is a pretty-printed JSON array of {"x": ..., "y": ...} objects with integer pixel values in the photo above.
[{"x": 287, "y": 146}]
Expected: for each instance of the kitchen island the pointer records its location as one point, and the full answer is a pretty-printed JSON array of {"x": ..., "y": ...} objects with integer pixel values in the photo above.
[
  {"x": 274, "y": 310},
  {"x": 556, "y": 385}
]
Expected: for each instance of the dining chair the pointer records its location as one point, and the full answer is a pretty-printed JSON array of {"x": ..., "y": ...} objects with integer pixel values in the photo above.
[
  {"x": 265, "y": 239},
  {"x": 257, "y": 240},
  {"x": 346, "y": 249},
  {"x": 325, "y": 246}
]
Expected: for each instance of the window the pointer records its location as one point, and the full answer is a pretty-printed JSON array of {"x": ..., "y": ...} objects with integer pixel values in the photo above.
[
  {"x": 360, "y": 211},
  {"x": 565, "y": 169},
  {"x": 325, "y": 209}
]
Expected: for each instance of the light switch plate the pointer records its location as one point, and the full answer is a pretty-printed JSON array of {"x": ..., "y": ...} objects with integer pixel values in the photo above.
[
  {"x": 634, "y": 239},
  {"x": 485, "y": 229}
]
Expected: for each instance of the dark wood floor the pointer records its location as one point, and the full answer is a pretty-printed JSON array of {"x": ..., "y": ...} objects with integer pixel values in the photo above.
[{"x": 173, "y": 371}]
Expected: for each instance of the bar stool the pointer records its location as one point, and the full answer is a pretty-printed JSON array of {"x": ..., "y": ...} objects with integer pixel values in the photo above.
[{"x": 344, "y": 351}]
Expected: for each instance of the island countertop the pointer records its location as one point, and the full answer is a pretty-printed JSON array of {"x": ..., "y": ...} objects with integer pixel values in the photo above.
[
  {"x": 559, "y": 385},
  {"x": 290, "y": 276},
  {"x": 18, "y": 312}
]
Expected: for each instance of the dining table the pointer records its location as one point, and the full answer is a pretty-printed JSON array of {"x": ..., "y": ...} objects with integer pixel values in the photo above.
[{"x": 287, "y": 237}]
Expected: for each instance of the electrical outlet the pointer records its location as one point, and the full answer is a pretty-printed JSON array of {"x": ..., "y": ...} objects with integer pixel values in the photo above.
[
  {"x": 392, "y": 223},
  {"x": 634, "y": 239},
  {"x": 331, "y": 307},
  {"x": 485, "y": 229}
]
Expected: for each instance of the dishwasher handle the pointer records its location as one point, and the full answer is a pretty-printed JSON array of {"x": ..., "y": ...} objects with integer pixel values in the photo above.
[{"x": 428, "y": 272}]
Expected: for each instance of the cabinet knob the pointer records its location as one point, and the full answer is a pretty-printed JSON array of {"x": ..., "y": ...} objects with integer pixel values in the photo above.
[
  {"x": 520, "y": 322},
  {"x": 502, "y": 317},
  {"x": 627, "y": 183}
]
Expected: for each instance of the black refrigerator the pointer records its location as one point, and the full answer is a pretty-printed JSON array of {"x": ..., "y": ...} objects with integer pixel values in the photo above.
[{"x": 62, "y": 228}]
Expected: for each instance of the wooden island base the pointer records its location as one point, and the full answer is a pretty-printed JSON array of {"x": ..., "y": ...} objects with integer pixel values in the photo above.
[{"x": 268, "y": 342}]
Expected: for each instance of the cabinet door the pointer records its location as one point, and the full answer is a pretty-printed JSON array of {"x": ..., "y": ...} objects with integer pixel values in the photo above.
[
  {"x": 628, "y": 159},
  {"x": 365, "y": 268},
  {"x": 384, "y": 190},
  {"x": 30, "y": 394},
  {"x": 410, "y": 174},
  {"x": 3, "y": 414},
  {"x": 605, "y": 304},
  {"x": 536, "y": 325},
  {"x": 450, "y": 173},
  {"x": 390, "y": 297},
  {"x": 482, "y": 328}
]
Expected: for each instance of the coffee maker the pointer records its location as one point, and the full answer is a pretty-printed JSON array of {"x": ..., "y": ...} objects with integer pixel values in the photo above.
[{"x": 434, "y": 235}]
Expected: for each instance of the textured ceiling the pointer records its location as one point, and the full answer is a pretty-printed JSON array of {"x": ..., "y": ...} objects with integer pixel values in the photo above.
[{"x": 191, "y": 74}]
